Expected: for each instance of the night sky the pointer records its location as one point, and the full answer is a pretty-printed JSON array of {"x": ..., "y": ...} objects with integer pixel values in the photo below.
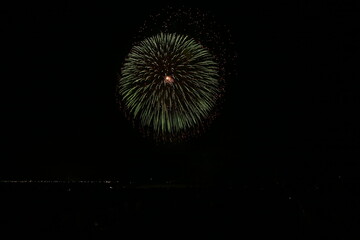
[{"x": 288, "y": 123}]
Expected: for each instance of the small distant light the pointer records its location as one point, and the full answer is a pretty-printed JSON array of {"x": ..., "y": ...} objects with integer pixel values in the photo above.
[{"x": 290, "y": 198}]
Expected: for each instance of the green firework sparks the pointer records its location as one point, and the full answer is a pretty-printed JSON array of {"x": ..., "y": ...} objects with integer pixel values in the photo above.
[{"x": 169, "y": 84}]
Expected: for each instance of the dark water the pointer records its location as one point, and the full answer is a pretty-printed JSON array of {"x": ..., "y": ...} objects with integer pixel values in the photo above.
[{"x": 115, "y": 210}]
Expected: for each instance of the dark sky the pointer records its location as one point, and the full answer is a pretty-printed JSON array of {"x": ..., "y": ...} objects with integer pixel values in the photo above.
[{"x": 289, "y": 115}]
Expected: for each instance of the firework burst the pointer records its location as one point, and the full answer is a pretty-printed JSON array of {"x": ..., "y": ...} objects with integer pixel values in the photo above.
[
  {"x": 169, "y": 84},
  {"x": 172, "y": 82}
]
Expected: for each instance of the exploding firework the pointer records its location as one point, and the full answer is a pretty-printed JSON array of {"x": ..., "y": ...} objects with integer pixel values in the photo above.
[
  {"x": 169, "y": 84},
  {"x": 172, "y": 81}
]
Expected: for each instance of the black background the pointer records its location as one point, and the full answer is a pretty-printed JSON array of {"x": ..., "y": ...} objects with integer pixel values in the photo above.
[{"x": 286, "y": 140}]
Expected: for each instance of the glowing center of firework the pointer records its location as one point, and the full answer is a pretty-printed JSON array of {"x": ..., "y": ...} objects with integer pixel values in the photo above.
[{"x": 168, "y": 79}]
